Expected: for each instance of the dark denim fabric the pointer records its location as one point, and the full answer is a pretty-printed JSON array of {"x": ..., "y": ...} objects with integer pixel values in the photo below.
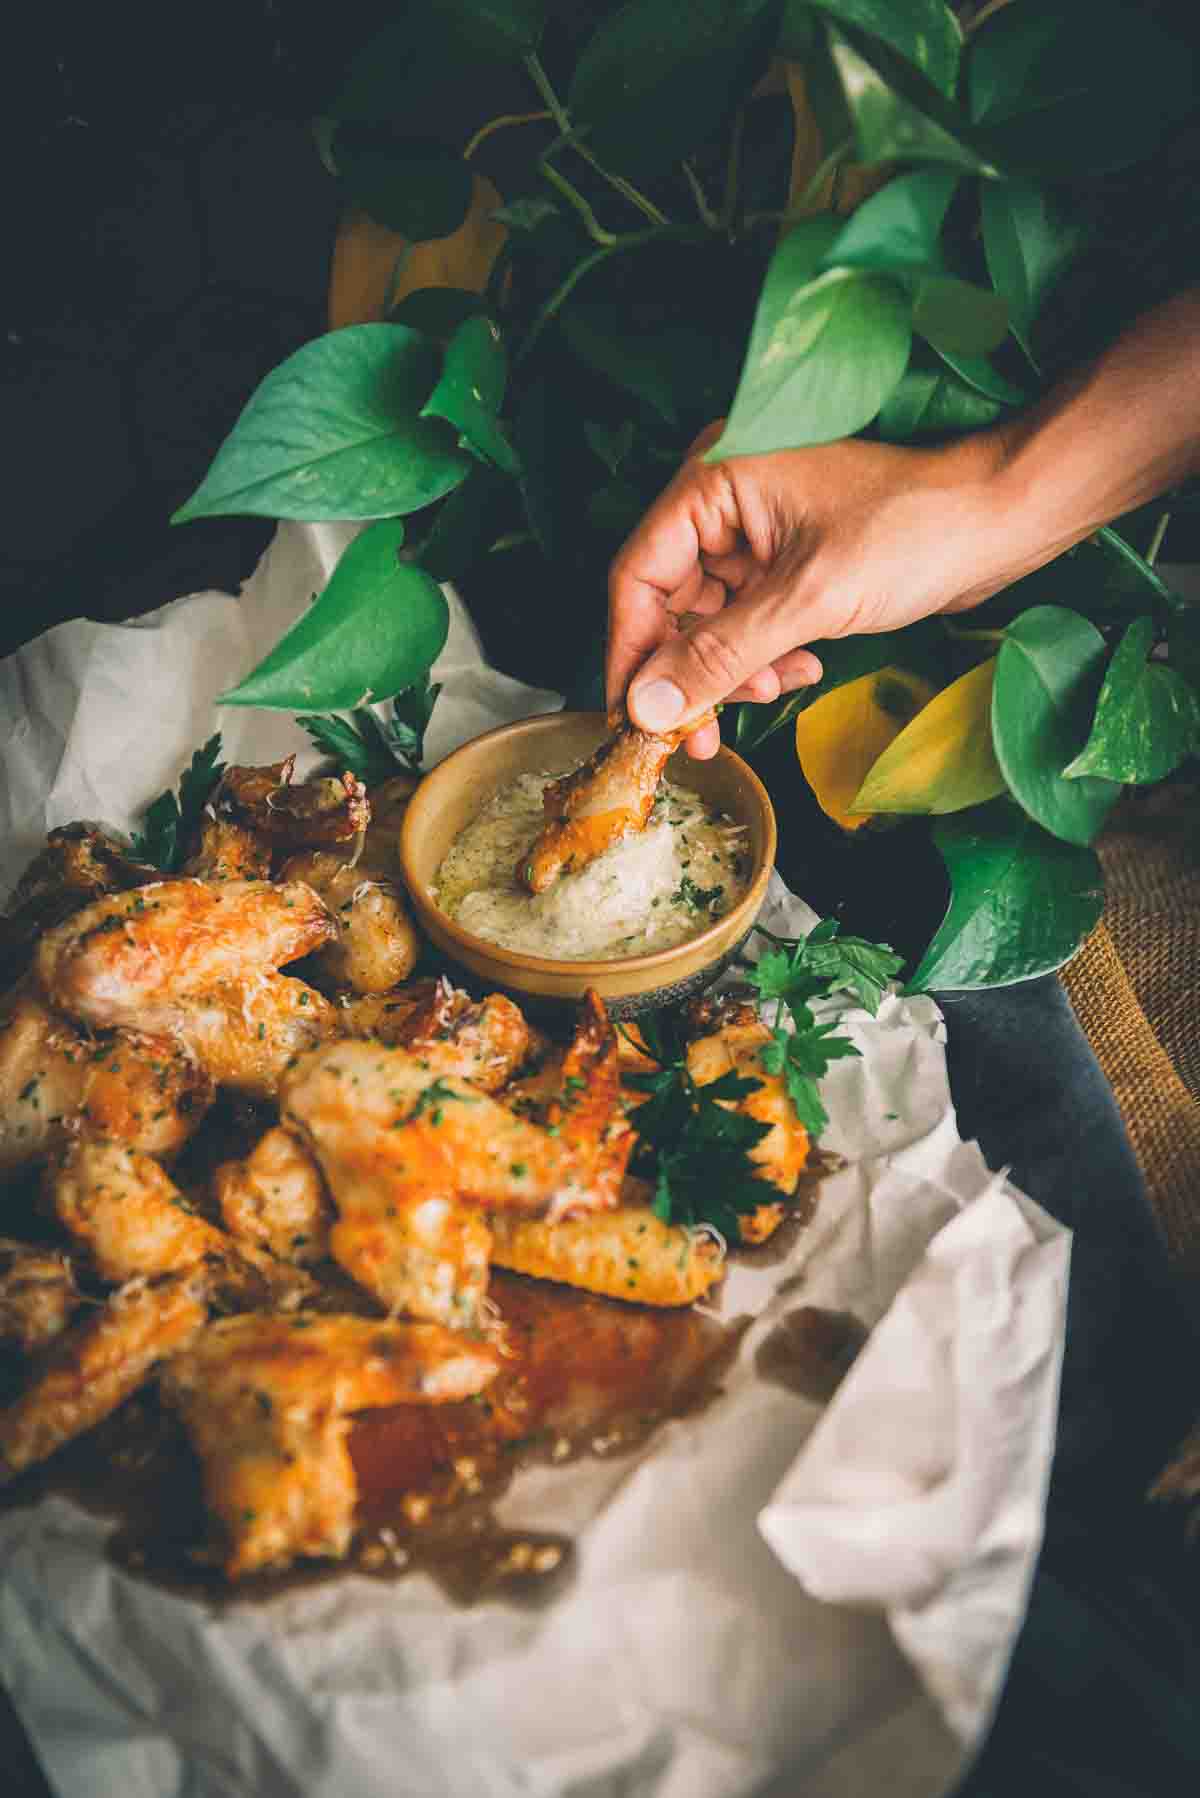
[{"x": 1103, "y": 1696}]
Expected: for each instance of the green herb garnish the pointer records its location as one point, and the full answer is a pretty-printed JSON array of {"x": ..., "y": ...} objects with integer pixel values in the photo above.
[
  {"x": 433, "y": 1097},
  {"x": 169, "y": 822},
  {"x": 376, "y": 748},
  {"x": 798, "y": 969},
  {"x": 699, "y": 898}
]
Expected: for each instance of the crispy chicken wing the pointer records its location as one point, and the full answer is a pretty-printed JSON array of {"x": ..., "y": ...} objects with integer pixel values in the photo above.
[
  {"x": 246, "y": 1032},
  {"x": 484, "y": 1042},
  {"x": 733, "y": 1035},
  {"x": 130, "y": 958},
  {"x": 38, "y": 1295},
  {"x": 133, "y": 1221},
  {"x": 97, "y": 1364},
  {"x": 406, "y": 1150},
  {"x": 303, "y": 815},
  {"x": 381, "y": 847},
  {"x": 609, "y": 797},
  {"x": 376, "y": 946},
  {"x": 229, "y": 851},
  {"x": 79, "y": 863},
  {"x": 267, "y": 1403},
  {"x": 628, "y": 1253},
  {"x": 276, "y": 1200},
  {"x": 143, "y": 1090}
]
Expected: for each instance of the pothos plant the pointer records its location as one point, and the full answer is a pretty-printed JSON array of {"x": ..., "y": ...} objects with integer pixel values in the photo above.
[{"x": 815, "y": 218}]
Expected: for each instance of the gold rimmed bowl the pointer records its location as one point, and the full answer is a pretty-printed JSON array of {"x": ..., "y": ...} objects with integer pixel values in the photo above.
[{"x": 450, "y": 797}]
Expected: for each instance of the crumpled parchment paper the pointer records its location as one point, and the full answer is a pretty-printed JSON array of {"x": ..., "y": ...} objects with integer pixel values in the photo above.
[{"x": 775, "y": 1596}]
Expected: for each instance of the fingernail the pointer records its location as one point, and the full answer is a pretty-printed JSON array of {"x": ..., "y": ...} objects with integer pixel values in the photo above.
[{"x": 659, "y": 705}]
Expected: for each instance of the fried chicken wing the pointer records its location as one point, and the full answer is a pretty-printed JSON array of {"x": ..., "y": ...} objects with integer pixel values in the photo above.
[
  {"x": 246, "y": 1032},
  {"x": 97, "y": 1364},
  {"x": 376, "y": 946},
  {"x": 229, "y": 851},
  {"x": 79, "y": 863},
  {"x": 38, "y": 1295},
  {"x": 381, "y": 846},
  {"x": 609, "y": 797},
  {"x": 484, "y": 1042},
  {"x": 627, "y": 1254},
  {"x": 267, "y": 1403},
  {"x": 133, "y": 1221},
  {"x": 301, "y": 815},
  {"x": 423, "y": 1254},
  {"x": 733, "y": 1036},
  {"x": 143, "y": 1090},
  {"x": 276, "y": 1200},
  {"x": 130, "y": 958}
]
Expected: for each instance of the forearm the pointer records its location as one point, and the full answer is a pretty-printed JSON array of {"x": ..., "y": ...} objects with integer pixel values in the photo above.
[{"x": 1109, "y": 438}]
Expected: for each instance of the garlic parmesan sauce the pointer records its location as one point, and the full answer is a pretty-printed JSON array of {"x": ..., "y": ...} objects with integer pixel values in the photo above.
[{"x": 650, "y": 891}]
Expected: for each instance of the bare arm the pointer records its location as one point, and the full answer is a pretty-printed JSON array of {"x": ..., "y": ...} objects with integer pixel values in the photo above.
[{"x": 738, "y": 566}]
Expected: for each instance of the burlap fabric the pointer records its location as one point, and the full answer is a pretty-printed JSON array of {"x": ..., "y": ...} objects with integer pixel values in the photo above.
[{"x": 1135, "y": 988}]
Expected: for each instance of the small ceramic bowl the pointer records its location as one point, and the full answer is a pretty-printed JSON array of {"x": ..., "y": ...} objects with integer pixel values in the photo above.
[{"x": 452, "y": 795}]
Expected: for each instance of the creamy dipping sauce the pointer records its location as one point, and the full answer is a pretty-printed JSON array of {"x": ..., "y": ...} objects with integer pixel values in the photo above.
[{"x": 650, "y": 891}]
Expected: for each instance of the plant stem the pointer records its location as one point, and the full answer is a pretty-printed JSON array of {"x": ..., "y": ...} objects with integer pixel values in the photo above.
[
  {"x": 707, "y": 215},
  {"x": 501, "y": 124},
  {"x": 803, "y": 207},
  {"x": 961, "y": 634},
  {"x": 559, "y": 114},
  {"x": 1156, "y": 542},
  {"x": 632, "y": 240},
  {"x": 592, "y": 225}
]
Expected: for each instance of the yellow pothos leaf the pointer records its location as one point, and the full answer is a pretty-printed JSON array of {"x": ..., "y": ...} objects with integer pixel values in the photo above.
[
  {"x": 841, "y": 736},
  {"x": 943, "y": 761},
  {"x": 363, "y": 281}
]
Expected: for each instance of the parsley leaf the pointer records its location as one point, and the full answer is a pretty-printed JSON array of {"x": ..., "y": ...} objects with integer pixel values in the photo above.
[
  {"x": 797, "y": 969},
  {"x": 372, "y": 747},
  {"x": 169, "y": 822},
  {"x": 697, "y": 897},
  {"x": 694, "y": 1148}
]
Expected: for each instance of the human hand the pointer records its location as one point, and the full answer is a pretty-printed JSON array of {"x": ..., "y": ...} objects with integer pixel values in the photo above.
[{"x": 738, "y": 565}]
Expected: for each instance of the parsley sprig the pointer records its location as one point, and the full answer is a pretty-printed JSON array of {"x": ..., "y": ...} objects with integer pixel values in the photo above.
[
  {"x": 169, "y": 822},
  {"x": 797, "y": 969},
  {"x": 695, "y": 1149},
  {"x": 691, "y": 1143},
  {"x": 376, "y": 748}
]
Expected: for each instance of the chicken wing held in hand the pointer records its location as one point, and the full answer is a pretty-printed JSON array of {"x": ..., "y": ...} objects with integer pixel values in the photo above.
[{"x": 611, "y": 796}]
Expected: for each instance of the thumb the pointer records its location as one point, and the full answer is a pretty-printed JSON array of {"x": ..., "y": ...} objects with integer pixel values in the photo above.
[{"x": 703, "y": 665}]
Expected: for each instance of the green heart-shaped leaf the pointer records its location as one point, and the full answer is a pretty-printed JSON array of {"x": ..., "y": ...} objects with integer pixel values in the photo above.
[
  {"x": 957, "y": 317},
  {"x": 932, "y": 402},
  {"x": 378, "y": 627},
  {"x": 898, "y": 227},
  {"x": 1147, "y": 717},
  {"x": 898, "y": 115},
  {"x": 418, "y": 188},
  {"x": 652, "y": 83},
  {"x": 1021, "y": 901},
  {"x": 823, "y": 355},
  {"x": 1048, "y": 675},
  {"x": 470, "y": 392},
  {"x": 334, "y": 432},
  {"x": 1030, "y": 240},
  {"x": 924, "y": 32},
  {"x": 611, "y": 444}
]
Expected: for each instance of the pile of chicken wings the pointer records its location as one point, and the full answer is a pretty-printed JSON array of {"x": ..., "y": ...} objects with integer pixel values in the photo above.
[{"x": 407, "y": 1138}]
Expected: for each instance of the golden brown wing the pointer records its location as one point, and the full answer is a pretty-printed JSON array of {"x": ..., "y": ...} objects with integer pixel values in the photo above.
[
  {"x": 246, "y": 1032},
  {"x": 609, "y": 797},
  {"x": 38, "y": 1295},
  {"x": 627, "y": 1254},
  {"x": 294, "y": 815},
  {"x": 130, "y": 958},
  {"x": 267, "y": 1403},
  {"x": 97, "y": 1364},
  {"x": 276, "y": 1200},
  {"x": 377, "y": 943}
]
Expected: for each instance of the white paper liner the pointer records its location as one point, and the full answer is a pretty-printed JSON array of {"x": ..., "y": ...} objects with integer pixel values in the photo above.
[{"x": 682, "y": 1661}]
